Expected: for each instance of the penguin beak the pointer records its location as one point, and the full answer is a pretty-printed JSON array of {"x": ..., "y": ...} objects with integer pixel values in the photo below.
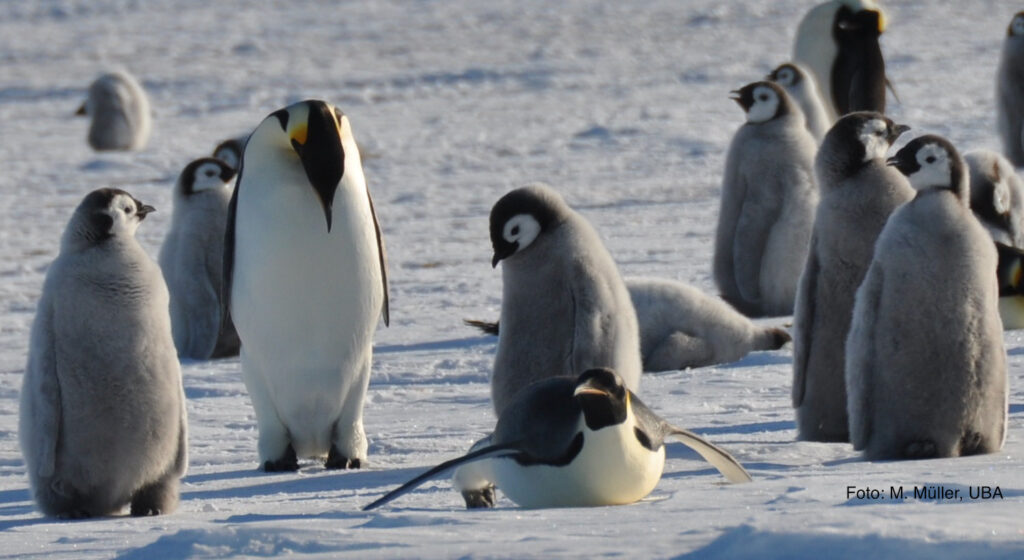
[
  {"x": 503, "y": 253},
  {"x": 81, "y": 111},
  {"x": 737, "y": 96},
  {"x": 897, "y": 131},
  {"x": 318, "y": 144},
  {"x": 588, "y": 390},
  {"x": 143, "y": 210}
]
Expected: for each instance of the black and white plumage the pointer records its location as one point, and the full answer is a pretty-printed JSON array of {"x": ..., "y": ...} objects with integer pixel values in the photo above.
[
  {"x": 801, "y": 86},
  {"x": 102, "y": 418},
  {"x": 564, "y": 307},
  {"x": 858, "y": 193},
  {"x": 119, "y": 110},
  {"x": 768, "y": 201},
  {"x": 305, "y": 271},
  {"x": 925, "y": 364},
  {"x": 997, "y": 196},
  {"x": 192, "y": 260},
  {"x": 838, "y": 41},
  {"x": 1010, "y": 92},
  {"x": 572, "y": 442}
]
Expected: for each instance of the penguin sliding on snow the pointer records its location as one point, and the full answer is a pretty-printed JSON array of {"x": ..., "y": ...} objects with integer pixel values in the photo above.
[
  {"x": 565, "y": 442},
  {"x": 192, "y": 260},
  {"x": 306, "y": 277},
  {"x": 1010, "y": 92},
  {"x": 838, "y": 41},
  {"x": 768, "y": 202},
  {"x": 925, "y": 364},
  {"x": 102, "y": 417}
]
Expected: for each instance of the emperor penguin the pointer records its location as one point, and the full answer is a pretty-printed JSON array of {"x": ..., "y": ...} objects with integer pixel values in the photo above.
[
  {"x": 997, "y": 196},
  {"x": 576, "y": 442},
  {"x": 1010, "y": 273},
  {"x": 682, "y": 327},
  {"x": 564, "y": 307},
  {"x": 119, "y": 109},
  {"x": 102, "y": 418},
  {"x": 838, "y": 41},
  {"x": 305, "y": 271},
  {"x": 1010, "y": 92},
  {"x": 858, "y": 193},
  {"x": 230, "y": 151},
  {"x": 192, "y": 260},
  {"x": 925, "y": 364},
  {"x": 803, "y": 89},
  {"x": 768, "y": 201}
]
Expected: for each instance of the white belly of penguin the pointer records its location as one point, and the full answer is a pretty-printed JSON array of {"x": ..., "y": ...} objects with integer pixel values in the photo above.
[
  {"x": 305, "y": 301},
  {"x": 611, "y": 469}
]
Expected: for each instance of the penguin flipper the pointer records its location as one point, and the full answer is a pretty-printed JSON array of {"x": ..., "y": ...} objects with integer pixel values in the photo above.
[
  {"x": 386, "y": 309},
  {"x": 760, "y": 211},
  {"x": 860, "y": 353},
  {"x": 803, "y": 322},
  {"x": 719, "y": 458},
  {"x": 40, "y": 397},
  {"x": 229, "y": 244},
  {"x": 477, "y": 455}
]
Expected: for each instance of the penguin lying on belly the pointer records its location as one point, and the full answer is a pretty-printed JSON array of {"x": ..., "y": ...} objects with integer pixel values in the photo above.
[{"x": 566, "y": 442}]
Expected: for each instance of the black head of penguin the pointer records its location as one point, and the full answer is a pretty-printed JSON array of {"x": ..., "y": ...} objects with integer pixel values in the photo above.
[{"x": 602, "y": 397}]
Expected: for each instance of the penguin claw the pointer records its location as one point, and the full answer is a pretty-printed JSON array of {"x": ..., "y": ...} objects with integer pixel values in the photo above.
[
  {"x": 335, "y": 460},
  {"x": 923, "y": 449},
  {"x": 482, "y": 498},
  {"x": 289, "y": 462}
]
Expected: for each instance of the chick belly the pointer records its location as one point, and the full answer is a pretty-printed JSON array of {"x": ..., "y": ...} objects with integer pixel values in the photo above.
[{"x": 611, "y": 469}]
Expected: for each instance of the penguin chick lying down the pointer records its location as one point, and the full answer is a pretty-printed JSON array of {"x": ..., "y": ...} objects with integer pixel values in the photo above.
[{"x": 567, "y": 442}]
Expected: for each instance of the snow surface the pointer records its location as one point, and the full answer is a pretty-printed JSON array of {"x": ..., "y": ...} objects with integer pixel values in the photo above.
[{"x": 623, "y": 107}]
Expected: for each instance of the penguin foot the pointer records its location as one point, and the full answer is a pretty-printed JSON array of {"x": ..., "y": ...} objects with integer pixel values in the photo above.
[
  {"x": 972, "y": 444},
  {"x": 482, "y": 498},
  {"x": 74, "y": 514},
  {"x": 287, "y": 463},
  {"x": 156, "y": 499},
  {"x": 335, "y": 460},
  {"x": 923, "y": 449}
]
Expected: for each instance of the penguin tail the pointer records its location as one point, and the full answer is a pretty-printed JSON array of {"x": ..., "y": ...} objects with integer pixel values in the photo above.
[
  {"x": 719, "y": 458},
  {"x": 485, "y": 327},
  {"x": 772, "y": 338},
  {"x": 478, "y": 455}
]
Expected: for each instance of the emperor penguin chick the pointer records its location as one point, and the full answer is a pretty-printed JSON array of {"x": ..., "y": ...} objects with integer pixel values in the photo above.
[
  {"x": 575, "y": 442},
  {"x": 192, "y": 260},
  {"x": 682, "y": 327},
  {"x": 997, "y": 196},
  {"x": 803, "y": 89},
  {"x": 306, "y": 277},
  {"x": 925, "y": 364},
  {"x": 858, "y": 193},
  {"x": 230, "y": 151},
  {"x": 102, "y": 419},
  {"x": 120, "y": 113},
  {"x": 564, "y": 307},
  {"x": 768, "y": 201},
  {"x": 1010, "y": 92},
  {"x": 838, "y": 41}
]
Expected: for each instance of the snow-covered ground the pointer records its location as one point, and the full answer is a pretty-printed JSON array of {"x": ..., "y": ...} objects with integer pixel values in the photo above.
[{"x": 623, "y": 107}]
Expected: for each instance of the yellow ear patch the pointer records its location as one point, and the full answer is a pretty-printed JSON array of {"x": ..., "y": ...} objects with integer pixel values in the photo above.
[
  {"x": 299, "y": 133},
  {"x": 881, "y": 21}
]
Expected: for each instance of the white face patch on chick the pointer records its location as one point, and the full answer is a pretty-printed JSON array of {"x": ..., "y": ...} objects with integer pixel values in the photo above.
[
  {"x": 874, "y": 134},
  {"x": 765, "y": 105},
  {"x": 934, "y": 167}
]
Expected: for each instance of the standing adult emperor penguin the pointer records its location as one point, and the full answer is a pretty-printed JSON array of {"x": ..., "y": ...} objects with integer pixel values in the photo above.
[
  {"x": 119, "y": 110},
  {"x": 102, "y": 418},
  {"x": 858, "y": 193},
  {"x": 574, "y": 442},
  {"x": 306, "y": 276},
  {"x": 925, "y": 364},
  {"x": 192, "y": 260},
  {"x": 838, "y": 41},
  {"x": 802, "y": 87},
  {"x": 564, "y": 307},
  {"x": 768, "y": 201},
  {"x": 997, "y": 196},
  {"x": 1010, "y": 92}
]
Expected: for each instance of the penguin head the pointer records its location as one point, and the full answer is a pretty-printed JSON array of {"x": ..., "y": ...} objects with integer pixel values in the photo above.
[
  {"x": 230, "y": 152},
  {"x": 204, "y": 174},
  {"x": 762, "y": 101},
  {"x": 858, "y": 19},
  {"x": 787, "y": 75},
  {"x": 991, "y": 193},
  {"x": 519, "y": 217},
  {"x": 931, "y": 162},
  {"x": 1016, "y": 27},
  {"x": 861, "y": 137},
  {"x": 105, "y": 214},
  {"x": 311, "y": 134},
  {"x": 605, "y": 401}
]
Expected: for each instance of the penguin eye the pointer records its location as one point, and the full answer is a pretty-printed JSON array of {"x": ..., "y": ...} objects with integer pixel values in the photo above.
[
  {"x": 515, "y": 230},
  {"x": 930, "y": 159},
  {"x": 128, "y": 210},
  {"x": 762, "y": 97}
]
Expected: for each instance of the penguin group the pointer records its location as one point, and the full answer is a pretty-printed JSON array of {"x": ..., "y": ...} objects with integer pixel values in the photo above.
[{"x": 900, "y": 270}]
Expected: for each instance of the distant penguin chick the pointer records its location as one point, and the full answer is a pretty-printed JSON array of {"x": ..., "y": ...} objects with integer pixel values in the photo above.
[
  {"x": 230, "y": 151},
  {"x": 192, "y": 258},
  {"x": 1010, "y": 92},
  {"x": 768, "y": 202},
  {"x": 102, "y": 419},
  {"x": 120, "y": 113},
  {"x": 801, "y": 86},
  {"x": 858, "y": 193},
  {"x": 588, "y": 441},
  {"x": 925, "y": 364},
  {"x": 997, "y": 196}
]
